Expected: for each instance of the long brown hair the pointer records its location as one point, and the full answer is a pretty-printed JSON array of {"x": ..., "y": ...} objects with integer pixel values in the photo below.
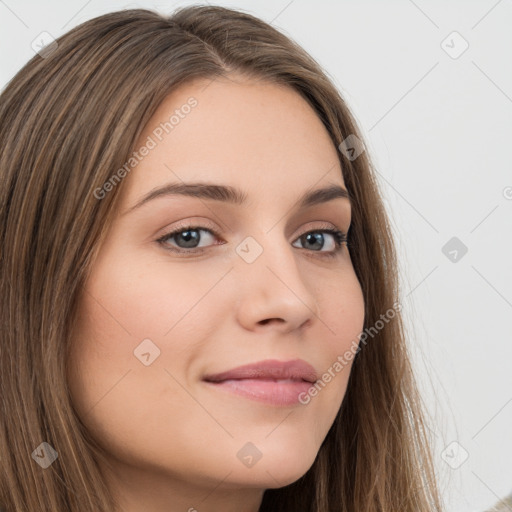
[{"x": 67, "y": 120}]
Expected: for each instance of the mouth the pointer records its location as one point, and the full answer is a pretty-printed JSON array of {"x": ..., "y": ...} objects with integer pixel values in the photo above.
[{"x": 271, "y": 382}]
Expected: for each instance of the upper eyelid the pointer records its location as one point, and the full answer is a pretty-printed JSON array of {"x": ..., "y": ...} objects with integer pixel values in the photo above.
[{"x": 204, "y": 226}]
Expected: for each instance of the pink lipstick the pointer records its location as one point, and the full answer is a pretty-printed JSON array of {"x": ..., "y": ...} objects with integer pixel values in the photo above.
[{"x": 271, "y": 381}]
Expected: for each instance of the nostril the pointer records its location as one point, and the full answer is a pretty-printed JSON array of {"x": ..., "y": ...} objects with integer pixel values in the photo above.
[{"x": 265, "y": 322}]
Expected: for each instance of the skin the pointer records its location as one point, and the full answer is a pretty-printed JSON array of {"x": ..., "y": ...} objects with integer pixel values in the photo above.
[{"x": 171, "y": 440}]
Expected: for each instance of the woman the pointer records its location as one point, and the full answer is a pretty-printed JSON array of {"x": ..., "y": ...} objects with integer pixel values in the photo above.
[{"x": 198, "y": 280}]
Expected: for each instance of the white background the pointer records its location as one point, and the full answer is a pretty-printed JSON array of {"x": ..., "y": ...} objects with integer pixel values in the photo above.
[{"x": 439, "y": 131}]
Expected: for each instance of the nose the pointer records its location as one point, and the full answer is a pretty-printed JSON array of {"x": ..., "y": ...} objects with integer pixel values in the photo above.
[{"x": 272, "y": 293}]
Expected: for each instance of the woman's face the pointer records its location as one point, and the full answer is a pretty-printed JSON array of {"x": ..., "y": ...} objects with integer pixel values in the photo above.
[{"x": 247, "y": 285}]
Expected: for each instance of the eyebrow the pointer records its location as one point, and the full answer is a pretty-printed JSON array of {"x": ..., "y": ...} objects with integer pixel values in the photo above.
[{"x": 233, "y": 195}]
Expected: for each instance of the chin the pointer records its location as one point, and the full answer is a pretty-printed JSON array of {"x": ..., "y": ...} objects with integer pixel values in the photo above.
[
  {"x": 286, "y": 475},
  {"x": 270, "y": 477},
  {"x": 280, "y": 469}
]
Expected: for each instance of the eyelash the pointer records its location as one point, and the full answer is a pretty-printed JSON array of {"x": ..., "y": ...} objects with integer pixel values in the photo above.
[{"x": 340, "y": 239}]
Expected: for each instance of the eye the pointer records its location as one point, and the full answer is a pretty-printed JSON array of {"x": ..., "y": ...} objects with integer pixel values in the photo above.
[
  {"x": 187, "y": 240},
  {"x": 317, "y": 237}
]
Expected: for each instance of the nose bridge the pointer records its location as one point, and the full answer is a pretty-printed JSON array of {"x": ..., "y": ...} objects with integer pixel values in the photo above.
[
  {"x": 272, "y": 281},
  {"x": 262, "y": 251}
]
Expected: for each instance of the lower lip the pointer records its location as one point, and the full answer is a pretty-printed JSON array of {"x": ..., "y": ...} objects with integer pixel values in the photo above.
[{"x": 272, "y": 392}]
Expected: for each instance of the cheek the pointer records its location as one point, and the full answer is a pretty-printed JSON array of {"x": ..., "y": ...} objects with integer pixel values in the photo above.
[
  {"x": 137, "y": 299},
  {"x": 342, "y": 315},
  {"x": 341, "y": 306},
  {"x": 118, "y": 398},
  {"x": 122, "y": 305}
]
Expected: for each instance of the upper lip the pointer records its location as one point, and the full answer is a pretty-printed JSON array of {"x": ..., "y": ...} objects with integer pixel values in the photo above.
[{"x": 296, "y": 369}]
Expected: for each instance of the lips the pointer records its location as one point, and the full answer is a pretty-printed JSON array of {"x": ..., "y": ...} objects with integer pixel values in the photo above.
[
  {"x": 270, "y": 369},
  {"x": 272, "y": 382}
]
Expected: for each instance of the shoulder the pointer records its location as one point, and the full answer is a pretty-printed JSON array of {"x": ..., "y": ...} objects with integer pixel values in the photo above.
[{"x": 504, "y": 505}]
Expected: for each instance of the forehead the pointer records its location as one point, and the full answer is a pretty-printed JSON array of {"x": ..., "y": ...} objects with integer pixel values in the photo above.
[{"x": 258, "y": 136}]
